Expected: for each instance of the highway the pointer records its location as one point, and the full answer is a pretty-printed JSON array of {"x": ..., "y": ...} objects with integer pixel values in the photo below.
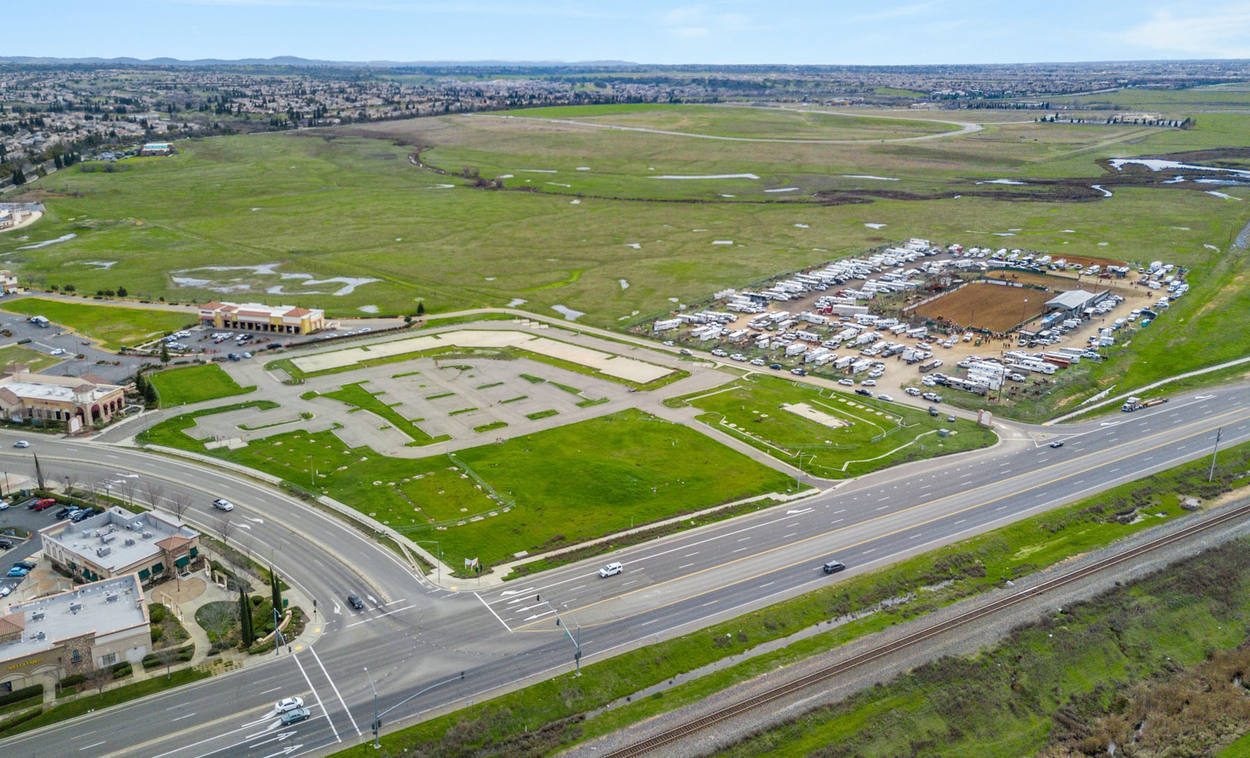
[{"x": 413, "y": 634}]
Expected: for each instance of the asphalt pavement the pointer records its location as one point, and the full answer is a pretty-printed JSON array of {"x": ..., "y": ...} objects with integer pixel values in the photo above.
[{"x": 413, "y": 634}]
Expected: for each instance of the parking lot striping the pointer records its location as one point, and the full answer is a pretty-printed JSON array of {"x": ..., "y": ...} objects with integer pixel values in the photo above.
[
  {"x": 492, "y": 611},
  {"x": 1202, "y": 422},
  {"x": 336, "y": 691},
  {"x": 329, "y": 720}
]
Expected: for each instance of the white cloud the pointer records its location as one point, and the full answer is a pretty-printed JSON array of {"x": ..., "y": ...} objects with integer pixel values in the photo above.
[{"x": 1196, "y": 30}]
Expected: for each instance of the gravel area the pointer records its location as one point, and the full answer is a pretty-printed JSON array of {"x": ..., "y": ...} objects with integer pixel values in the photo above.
[{"x": 961, "y": 641}]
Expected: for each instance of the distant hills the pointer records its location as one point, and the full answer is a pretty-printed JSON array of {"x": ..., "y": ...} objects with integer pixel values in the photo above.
[{"x": 290, "y": 60}]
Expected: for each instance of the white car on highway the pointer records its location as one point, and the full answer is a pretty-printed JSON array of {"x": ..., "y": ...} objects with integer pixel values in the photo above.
[
  {"x": 612, "y": 569},
  {"x": 288, "y": 704},
  {"x": 223, "y": 504}
]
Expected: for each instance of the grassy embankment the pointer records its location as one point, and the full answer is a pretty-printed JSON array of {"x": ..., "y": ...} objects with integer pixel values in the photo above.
[{"x": 113, "y": 326}]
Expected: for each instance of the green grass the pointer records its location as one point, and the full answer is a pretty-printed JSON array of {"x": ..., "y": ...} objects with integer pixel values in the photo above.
[
  {"x": 1005, "y": 700},
  {"x": 876, "y": 434},
  {"x": 492, "y": 426},
  {"x": 536, "y": 415},
  {"x": 1239, "y": 749},
  {"x": 743, "y": 121},
  {"x": 169, "y": 432},
  {"x": 35, "y": 361},
  {"x": 951, "y": 573},
  {"x": 114, "y": 326},
  {"x": 194, "y": 384},
  {"x": 556, "y": 488},
  {"x": 357, "y": 396}
]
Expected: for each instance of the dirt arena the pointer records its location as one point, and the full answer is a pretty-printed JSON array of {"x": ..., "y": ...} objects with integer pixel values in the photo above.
[{"x": 987, "y": 306}]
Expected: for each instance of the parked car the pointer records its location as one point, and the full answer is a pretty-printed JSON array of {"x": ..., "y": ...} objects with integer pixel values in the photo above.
[
  {"x": 4, "y": 505},
  {"x": 846, "y": 383},
  {"x": 757, "y": 361},
  {"x": 66, "y": 511},
  {"x": 775, "y": 366},
  {"x": 295, "y": 716},
  {"x": 833, "y": 567},
  {"x": 85, "y": 513},
  {"x": 355, "y": 602},
  {"x": 288, "y": 704},
  {"x": 27, "y": 564},
  {"x": 869, "y": 382},
  {"x": 18, "y": 571},
  {"x": 862, "y": 391},
  {"x": 223, "y": 504},
  {"x": 5, "y": 544},
  {"x": 798, "y": 372},
  {"x": 912, "y": 391},
  {"x": 5, "y": 590},
  {"x": 885, "y": 397},
  {"x": 21, "y": 443},
  {"x": 612, "y": 569},
  {"x": 44, "y": 504}
]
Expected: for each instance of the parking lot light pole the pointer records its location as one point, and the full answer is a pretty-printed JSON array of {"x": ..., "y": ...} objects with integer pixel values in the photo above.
[{"x": 376, "y": 744}]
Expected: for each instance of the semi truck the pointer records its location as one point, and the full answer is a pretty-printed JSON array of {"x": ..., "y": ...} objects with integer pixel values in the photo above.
[{"x": 1136, "y": 403}]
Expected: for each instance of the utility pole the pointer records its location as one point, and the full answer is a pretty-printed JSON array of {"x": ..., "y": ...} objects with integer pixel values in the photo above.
[
  {"x": 376, "y": 743},
  {"x": 1211, "y": 473}
]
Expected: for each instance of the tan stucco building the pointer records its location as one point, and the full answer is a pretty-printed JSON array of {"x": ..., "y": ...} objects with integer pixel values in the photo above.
[
  {"x": 93, "y": 626},
  {"x": 257, "y": 317},
  {"x": 150, "y": 545},
  {"x": 70, "y": 401}
]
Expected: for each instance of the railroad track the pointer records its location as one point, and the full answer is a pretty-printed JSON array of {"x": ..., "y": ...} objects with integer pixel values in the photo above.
[{"x": 922, "y": 635}]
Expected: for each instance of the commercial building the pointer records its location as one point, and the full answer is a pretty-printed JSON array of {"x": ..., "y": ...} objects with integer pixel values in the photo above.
[
  {"x": 72, "y": 401},
  {"x": 116, "y": 542},
  {"x": 8, "y": 281},
  {"x": 93, "y": 626},
  {"x": 256, "y": 317}
]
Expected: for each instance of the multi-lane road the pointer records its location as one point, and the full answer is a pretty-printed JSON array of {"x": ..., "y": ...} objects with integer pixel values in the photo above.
[{"x": 413, "y": 634}]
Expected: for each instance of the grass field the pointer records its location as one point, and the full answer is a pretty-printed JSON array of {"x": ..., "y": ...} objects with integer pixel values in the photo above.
[
  {"x": 993, "y": 307},
  {"x": 551, "y": 489},
  {"x": 193, "y": 384},
  {"x": 743, "y": 122},
  {"x": 114, "y": 326},
  {"x": 876, "y": 433},
  {"x": 15, "y": 355},
  {"x": 347, "y": 205}
]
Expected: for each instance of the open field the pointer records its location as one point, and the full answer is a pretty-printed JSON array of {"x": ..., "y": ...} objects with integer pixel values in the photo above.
[
  {"x": 743, "y": 122},
  {"x": 346, "y": 206},
  {"x": 981, "y": 305},
  {"x": 356, "y": 395},
  {"x": 859, "y": 606},
  {"x": 551, "y": 489},
  {"x": 193, "y": 384},
  {"x": 854, "y": 435},
  {"x": 16, "y": 355},
  {"x": 114, "y": 326}
]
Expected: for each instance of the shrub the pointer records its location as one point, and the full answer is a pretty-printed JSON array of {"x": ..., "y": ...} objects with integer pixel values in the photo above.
[
  {"x": 157, "y": 612},
  {"x": 22, "y": 694},
  {"x": 157, "y": 633}
]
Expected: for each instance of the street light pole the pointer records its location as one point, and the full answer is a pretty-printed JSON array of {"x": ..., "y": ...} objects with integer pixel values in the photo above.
[
  {"x": 577, "y": 641},
  {"x": 376, "y": 743},
  {"x": 1214, "y": 450}
]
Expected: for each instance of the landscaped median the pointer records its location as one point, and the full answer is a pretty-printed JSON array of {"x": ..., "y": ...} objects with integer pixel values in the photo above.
[
  {"x": 526, "y": 496},
  {"x": 608, "y": 694}
]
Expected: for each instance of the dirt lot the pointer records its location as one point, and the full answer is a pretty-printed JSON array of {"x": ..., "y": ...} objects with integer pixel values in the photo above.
[
  {"x": 1059, "y": 284},
  {"x": 987, "y": 306}
]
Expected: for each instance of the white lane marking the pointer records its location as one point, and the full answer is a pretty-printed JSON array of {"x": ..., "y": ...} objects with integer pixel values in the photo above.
[
  {"x": 492, "y": 610},
  {"x": 836, "y": 520},
  {"x": 94, "y": 744},
  {"x": 766, "y": 584},
  {"x": 286, "y": 750},
  {"x": 372, "y": 599},
  {"x": 539, "y": 615},
  {"x": 652, "y": 621},
  {"x": 881, "y": 507},
  {"x": 743, "y": 539},
  {"x": 509, "y": 593},
  {"x": 841, "y": 511},
  {"x": 266, "y": 692},
  {"x": 687, "y": 555},
  {"x": 329, "y": 720},
  {"x": 791, "y": 534},
  {"x": 960, "y": 521},
  {"x": 916, "y": 536},
  {"x": 279, "y": 737},
  {"x": 710, "y": 602},
  {"x": 739, "y": 550},
  {"x": 336, "y": 691},
  {"x": 394, "y": 602},
  {"x": 180, "y": 718},
  {"x": 380, "y": 615},
  {"x": 685, "y": 566}
]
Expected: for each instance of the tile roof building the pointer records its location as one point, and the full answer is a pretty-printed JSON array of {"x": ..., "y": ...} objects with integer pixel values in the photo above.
[
  {"x": 93, "y": 626},
  {"x": 257, "y": 317},
  {"x": 69, "y": 401}
]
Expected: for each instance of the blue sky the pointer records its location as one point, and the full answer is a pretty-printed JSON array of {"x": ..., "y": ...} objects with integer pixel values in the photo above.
[{"x": 647, "y": 31}]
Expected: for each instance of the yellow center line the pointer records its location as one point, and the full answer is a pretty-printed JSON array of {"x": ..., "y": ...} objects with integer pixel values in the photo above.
[{"x": 1206, "y": 422}]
